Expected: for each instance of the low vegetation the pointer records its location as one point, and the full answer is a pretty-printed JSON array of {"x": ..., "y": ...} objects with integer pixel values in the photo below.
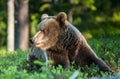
[{"x": 13, "y": 65}]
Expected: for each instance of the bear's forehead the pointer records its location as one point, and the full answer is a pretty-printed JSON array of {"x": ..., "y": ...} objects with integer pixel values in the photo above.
[{"x": 45, "y": 22}]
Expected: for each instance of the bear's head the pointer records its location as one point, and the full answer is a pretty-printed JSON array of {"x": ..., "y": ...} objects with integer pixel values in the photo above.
[{"x": 49, "y": 31}]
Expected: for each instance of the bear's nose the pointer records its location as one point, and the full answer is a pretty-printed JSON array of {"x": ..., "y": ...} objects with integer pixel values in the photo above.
[{"x": 31, "y": 41}]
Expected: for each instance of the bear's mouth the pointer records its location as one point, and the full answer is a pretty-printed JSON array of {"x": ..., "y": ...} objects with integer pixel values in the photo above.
[{"x": 39, "y": 44}]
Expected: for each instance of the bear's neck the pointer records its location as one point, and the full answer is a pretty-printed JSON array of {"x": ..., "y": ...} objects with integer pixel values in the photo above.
[{"x": 66, "y": 41}]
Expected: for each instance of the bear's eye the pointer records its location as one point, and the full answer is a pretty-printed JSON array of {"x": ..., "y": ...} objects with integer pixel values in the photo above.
[
  {"x": 44, "y": 31},
  {"x": 41, "y": 30}
]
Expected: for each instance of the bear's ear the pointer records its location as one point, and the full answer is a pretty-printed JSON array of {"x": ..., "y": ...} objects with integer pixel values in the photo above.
[
  {"x": 44, "y": 16},
  {"x": 61, "y": 17}
]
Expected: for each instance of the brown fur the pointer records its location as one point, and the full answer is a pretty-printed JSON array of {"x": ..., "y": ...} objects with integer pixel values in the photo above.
[{"x": 64, "y": 43}]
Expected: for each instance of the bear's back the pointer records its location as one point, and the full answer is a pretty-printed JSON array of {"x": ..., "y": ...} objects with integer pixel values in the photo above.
[{"x": 77, "y": 33}]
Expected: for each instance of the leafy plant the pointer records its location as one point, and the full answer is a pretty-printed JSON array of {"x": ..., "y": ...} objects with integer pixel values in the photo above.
[{"x": 13, "y": 65}]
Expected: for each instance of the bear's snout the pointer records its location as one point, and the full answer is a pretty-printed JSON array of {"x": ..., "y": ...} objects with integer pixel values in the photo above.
[{"x": 31, "y": 40}]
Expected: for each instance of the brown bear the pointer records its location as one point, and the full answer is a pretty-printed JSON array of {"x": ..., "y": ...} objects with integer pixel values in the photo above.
[{"x": 64, "y": 43}]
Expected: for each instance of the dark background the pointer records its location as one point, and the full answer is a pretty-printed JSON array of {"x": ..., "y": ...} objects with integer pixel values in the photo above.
[{"x": 94, "y": 18}]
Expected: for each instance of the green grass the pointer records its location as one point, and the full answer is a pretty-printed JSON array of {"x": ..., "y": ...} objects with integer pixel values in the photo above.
[{"x": 13, "y": 64}]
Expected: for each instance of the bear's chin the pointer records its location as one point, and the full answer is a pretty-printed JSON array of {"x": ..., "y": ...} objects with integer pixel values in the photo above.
[
  {"x": 42, "y": 47},
  {"x": 39, "y": 45}
]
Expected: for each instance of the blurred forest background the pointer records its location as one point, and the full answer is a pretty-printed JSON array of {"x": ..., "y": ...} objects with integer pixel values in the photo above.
[{"x": 19, "y": 19}]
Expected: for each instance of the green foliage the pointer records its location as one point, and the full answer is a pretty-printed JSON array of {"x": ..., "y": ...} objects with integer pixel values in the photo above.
[
  {"x": 13, "y": 65},
  {"x": 34, "y": 23},
  {"x": 3, "y": 24},
  {"x": 93, "y": 17},
  {"x": 98, "y": 20}
]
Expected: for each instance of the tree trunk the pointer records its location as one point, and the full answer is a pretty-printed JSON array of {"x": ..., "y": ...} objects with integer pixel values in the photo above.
[
  {"x": 70, "y": 13},
  {"x": 10, "y": 38},
  {"x": 22, "y": 24}
]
